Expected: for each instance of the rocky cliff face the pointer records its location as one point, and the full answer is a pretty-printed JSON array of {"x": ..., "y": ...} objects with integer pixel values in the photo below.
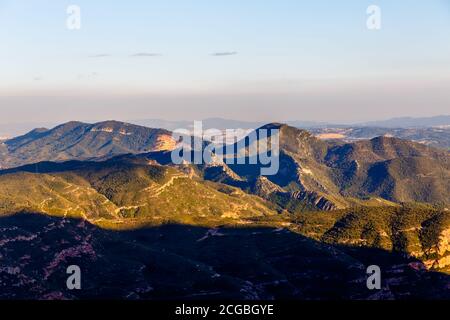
[
  {"x": 439, "y": 253},
  {"x": 316, "y": 199},
  {"x": 263, "y": 187}
]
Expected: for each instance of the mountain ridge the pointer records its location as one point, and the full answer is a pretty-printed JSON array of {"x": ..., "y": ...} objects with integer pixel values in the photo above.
[
  {"x": 77, "y": 140},
  {"x": 332, "y": 171},
  {"x": 313, "y": 172}
]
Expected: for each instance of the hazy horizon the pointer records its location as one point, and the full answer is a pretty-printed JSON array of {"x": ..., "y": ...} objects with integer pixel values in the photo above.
[
  {"x": 274, "y": 120},
  {"x": 10, "y": 130}
]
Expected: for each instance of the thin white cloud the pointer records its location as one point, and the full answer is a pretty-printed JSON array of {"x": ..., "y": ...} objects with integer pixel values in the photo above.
[
  {"x": 102, "y": 55},
  {"x": 146, "y": 54},
  {"x": 224, "y": 53}
]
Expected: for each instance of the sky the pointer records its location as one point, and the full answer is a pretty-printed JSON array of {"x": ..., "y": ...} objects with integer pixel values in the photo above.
[{"x": 269, "y": 60}]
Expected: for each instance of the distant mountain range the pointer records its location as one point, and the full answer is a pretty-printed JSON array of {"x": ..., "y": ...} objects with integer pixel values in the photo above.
[
  {"x": 13, "y": 130},
  {"x": 409, "y": 122},
  {"x": 222, "y": 124},
  {"x": 434, "y": 136}
]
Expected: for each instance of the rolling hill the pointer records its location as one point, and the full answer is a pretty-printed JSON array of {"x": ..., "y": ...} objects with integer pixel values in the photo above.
[
  {"x": 334, "y": 174},
  {"x": 82, "y": 141},
  {"x": 124, "y": 190}
]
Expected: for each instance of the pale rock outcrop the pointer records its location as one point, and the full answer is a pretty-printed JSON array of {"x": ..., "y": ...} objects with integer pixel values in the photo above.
[{"x": 441, "y": 251}]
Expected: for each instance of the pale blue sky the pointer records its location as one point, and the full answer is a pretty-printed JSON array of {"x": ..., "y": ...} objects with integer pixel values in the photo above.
[{"x": 292, "y": 59}]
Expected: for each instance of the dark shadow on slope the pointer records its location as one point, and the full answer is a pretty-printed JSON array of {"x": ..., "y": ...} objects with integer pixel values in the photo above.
[
  {"x": 185, "y": 262},
  {"x": 125, "y": 160}
]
